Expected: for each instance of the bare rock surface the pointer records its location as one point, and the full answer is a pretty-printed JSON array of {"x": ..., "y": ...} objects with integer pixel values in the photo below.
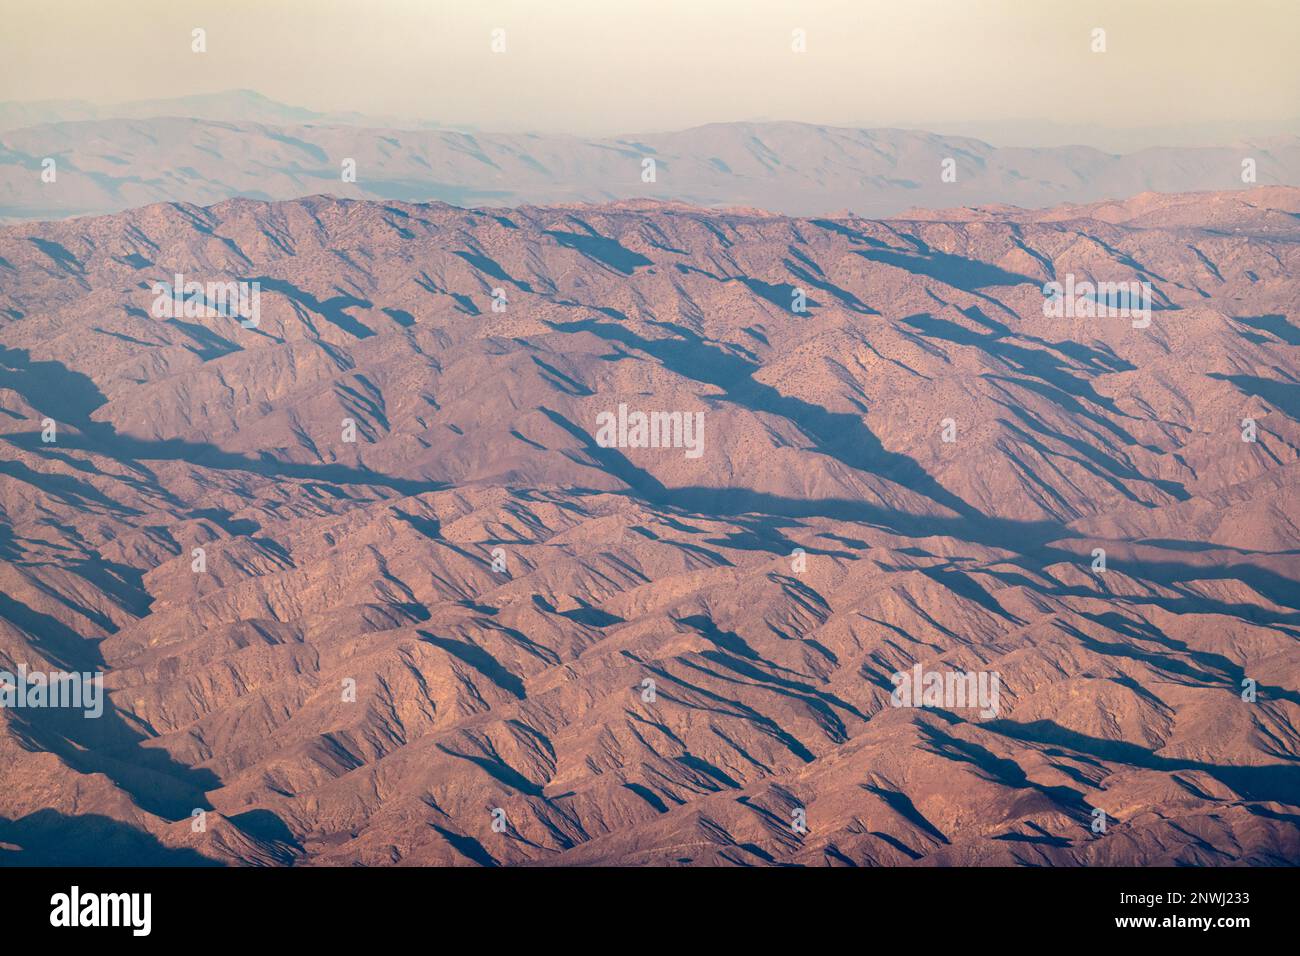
[{"x": 502, "y": 714}]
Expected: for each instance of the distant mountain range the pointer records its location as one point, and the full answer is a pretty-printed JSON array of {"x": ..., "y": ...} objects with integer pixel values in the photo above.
[
  {"x": 249, "y": 106},
  {"x": 205, "y": 149}
]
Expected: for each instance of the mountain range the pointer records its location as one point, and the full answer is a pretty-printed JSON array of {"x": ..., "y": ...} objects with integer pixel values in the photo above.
[
  {"x": 366, "y": 586},
  {"x": 202, "y": 150}
]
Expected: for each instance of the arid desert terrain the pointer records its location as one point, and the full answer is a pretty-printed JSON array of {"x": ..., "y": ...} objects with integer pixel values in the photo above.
[{"x": 366, "y": 584}]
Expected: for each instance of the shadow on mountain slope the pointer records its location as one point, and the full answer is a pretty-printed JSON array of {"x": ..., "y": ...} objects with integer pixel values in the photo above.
[
  {"x": 70, "y": 398},
  {"x": 956, "y": 271},
  {"x": 1271, "y": 782},
  {"x": 116, "y": 747},
  {"x": 843, "y": 437},
  {"x": 50, "y": 838}
]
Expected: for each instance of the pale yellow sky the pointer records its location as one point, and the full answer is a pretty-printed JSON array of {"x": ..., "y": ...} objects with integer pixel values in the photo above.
[{"x": 586, "y": 66}]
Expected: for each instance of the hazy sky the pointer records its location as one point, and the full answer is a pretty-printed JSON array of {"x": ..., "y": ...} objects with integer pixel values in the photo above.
[{"x": 588, "y": 66}]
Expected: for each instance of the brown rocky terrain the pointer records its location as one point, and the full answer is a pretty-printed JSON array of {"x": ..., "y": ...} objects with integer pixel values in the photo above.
[{"x": 516, "y": 696}]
